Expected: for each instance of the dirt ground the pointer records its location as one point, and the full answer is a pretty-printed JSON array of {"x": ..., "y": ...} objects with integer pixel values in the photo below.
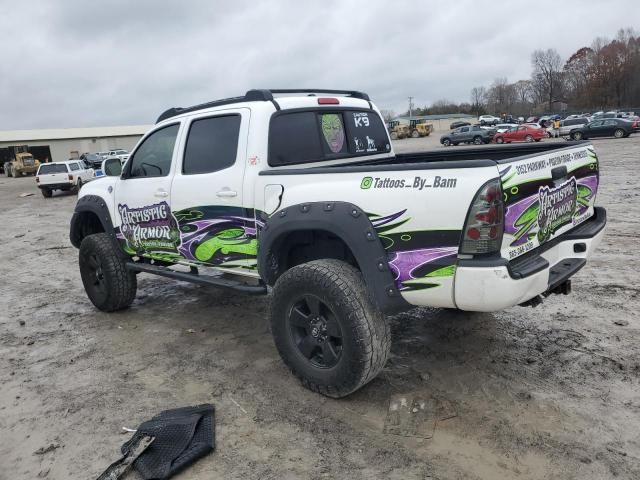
[{"x": 545, "y": 393}]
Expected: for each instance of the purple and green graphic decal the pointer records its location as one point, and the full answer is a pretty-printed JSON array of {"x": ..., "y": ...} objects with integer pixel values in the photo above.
[
  {"x": 540, "y": 214},
  {"x": 418, "y": 259},
  {"x": 214, "y": 235}
]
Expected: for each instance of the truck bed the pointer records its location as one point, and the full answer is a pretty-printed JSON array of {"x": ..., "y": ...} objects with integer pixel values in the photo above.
[{"x": 454, "y": 157}]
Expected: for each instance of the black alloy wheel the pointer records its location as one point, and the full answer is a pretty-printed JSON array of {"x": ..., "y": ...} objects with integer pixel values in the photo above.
[{"x": 315, "y": 331}]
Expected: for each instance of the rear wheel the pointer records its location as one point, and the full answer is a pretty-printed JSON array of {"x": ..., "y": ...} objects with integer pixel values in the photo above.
[
  {"x": 108, "y": 283},
  {"x": 477, "y": 140},
  {"x": 394, "y": 136},
  {"x": 326, "y": 328},
  {"x": 619, "y": 133},
  {"x": 577, "y": 135},
  {"x": 499, "y": 140},
  {"x": 78, "y": 186},
  {"x": 46, "y": 193}
]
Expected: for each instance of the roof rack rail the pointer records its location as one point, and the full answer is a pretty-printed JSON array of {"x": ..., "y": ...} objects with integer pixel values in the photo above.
[{"x": 257, "y": 95}]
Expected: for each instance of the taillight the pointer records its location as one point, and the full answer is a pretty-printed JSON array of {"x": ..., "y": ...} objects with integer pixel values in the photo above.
[
  {"x": 328, "y": 101},
  {"x": 70, "y": 177},
  {"x": 485, "y": 222},
  {"x": 37, "y": 179}
]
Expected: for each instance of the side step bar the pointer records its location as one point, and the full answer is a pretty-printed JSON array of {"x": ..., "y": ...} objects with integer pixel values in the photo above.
[{"x": 260, "y": 289}]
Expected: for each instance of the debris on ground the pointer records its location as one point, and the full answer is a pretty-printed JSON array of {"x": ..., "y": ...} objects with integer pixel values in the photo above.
[
  {"x": 26, "y": 194},
  {"x": 50, "y": 448}
]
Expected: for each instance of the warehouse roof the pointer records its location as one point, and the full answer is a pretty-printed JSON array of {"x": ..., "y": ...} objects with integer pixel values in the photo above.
[{"x": 67, "y": 133}]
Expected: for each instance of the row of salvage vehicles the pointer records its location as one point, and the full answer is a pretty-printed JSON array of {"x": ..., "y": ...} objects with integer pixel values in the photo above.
[{"x": 415, "y": 129}]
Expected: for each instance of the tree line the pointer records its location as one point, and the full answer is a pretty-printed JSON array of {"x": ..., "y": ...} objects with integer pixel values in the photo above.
[{"x": 604, "y": 76}]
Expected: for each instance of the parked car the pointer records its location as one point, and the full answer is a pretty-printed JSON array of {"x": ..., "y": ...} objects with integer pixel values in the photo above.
[
  {"x": 118, "y": 153},
  {"x": 522, "y": 133},
  {"x": 92, "y": 160},
  {"x": 470, "y": 134},
  {"x": 455, "y": 125},
  {"x": 69, "y": 175},
  {"x": 489, "y": 120},
  {"x": 569, "y": 124},
  {"x": 503, "y": 127},
  {"x": 606, "y": 127},
  {"x": 532, "y": 119}
]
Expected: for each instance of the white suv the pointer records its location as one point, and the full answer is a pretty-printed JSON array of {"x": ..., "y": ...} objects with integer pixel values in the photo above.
[{"x": 488, "y": 120}]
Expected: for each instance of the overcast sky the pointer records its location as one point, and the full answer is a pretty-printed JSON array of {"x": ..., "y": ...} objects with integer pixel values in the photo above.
[{"x": 85, "y": 63}]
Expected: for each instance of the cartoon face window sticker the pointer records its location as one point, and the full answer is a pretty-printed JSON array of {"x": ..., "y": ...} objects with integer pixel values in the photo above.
[{"x": 333, "y": 131}]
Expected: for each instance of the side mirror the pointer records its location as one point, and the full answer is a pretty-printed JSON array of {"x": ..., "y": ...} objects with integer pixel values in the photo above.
[{"x": 112, "y": 167}]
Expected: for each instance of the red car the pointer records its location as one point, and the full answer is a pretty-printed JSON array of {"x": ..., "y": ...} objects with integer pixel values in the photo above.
[{"x": 523, "y": 133}]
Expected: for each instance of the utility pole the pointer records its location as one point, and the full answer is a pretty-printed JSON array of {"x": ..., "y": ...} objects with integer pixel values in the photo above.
[{"x": 410, "y": 109}]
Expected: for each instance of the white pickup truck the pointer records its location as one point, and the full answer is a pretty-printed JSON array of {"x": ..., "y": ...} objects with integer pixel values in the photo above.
[
  {"x": 69, "y": 175},
  {"x": 300, "y": 193}
]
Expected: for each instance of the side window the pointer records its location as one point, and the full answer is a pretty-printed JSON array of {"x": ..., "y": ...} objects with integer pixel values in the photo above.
[
  {"x": 74, "y": 166},
  {"x": 153, "y": 157},
  {"x": 464, "y": 129},
  {"x": 212, "y": 144},
  {"x": 610, "y": 123},
  {"x": 293, "y": 138},
  {"x": 597, "y": 123}
]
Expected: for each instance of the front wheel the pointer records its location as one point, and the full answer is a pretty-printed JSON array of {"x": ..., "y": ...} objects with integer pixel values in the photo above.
[
  {"x": 446, "y": 142},
  {"x": 528, "y": 139},
  {"x": 477, "y": 140},
  {"x": 415, "y": 134},
  {"x": 326, "y": 328},
  {"x": 619, "y": 133},
  {"x": 394, "y": 136},
  {"x": 108, "y": 283}
]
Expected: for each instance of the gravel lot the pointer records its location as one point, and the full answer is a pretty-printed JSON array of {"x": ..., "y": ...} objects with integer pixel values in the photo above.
[{"x": 544, "y": 393}]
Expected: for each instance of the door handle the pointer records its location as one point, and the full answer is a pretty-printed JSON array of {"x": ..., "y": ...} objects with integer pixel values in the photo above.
[
  {"x": 226, "y": 193},
  {"x": 161, "y": 194}
]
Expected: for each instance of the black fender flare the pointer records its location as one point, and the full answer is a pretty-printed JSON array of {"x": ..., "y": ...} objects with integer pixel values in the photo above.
[
  {"x": 90, "y": 204},
  {"x": 347, "y": 222}
]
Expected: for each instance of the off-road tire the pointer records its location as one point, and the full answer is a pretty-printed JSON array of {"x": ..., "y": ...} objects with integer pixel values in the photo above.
[
  {"x": 119, "y": 284},
  {"x": 415, "y": 134},
  {"x": 46, "y": 193},
  {"x": 366, "y": 338}
]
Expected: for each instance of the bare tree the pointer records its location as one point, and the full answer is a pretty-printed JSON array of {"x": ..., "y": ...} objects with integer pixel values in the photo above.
[
  {"x": 523, "y": 91},
  {"x": 388, "y": 115},
  {"x": 478, "y": 98},
  {"x": 547, "y": 73}
]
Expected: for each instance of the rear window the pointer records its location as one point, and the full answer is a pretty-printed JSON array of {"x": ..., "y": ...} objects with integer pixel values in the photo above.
[
  {"x": 52, "y": 168},
  {"x": 314, "y": 136},
  {"x": 74, "y": 166}
]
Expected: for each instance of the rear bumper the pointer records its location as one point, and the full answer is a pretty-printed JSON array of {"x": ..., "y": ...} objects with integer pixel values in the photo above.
[
  {"x": 487, "y": 285},
  {"x": 56, "y": 186}
]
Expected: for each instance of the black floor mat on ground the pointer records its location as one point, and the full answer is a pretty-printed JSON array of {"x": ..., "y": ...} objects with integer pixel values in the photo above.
[{"x": 182, "y": 436}]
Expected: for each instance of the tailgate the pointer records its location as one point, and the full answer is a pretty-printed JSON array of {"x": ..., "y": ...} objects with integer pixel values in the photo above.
[
  {"x": 547, "y": 195},
  {"x": 54, "y": 178}
]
